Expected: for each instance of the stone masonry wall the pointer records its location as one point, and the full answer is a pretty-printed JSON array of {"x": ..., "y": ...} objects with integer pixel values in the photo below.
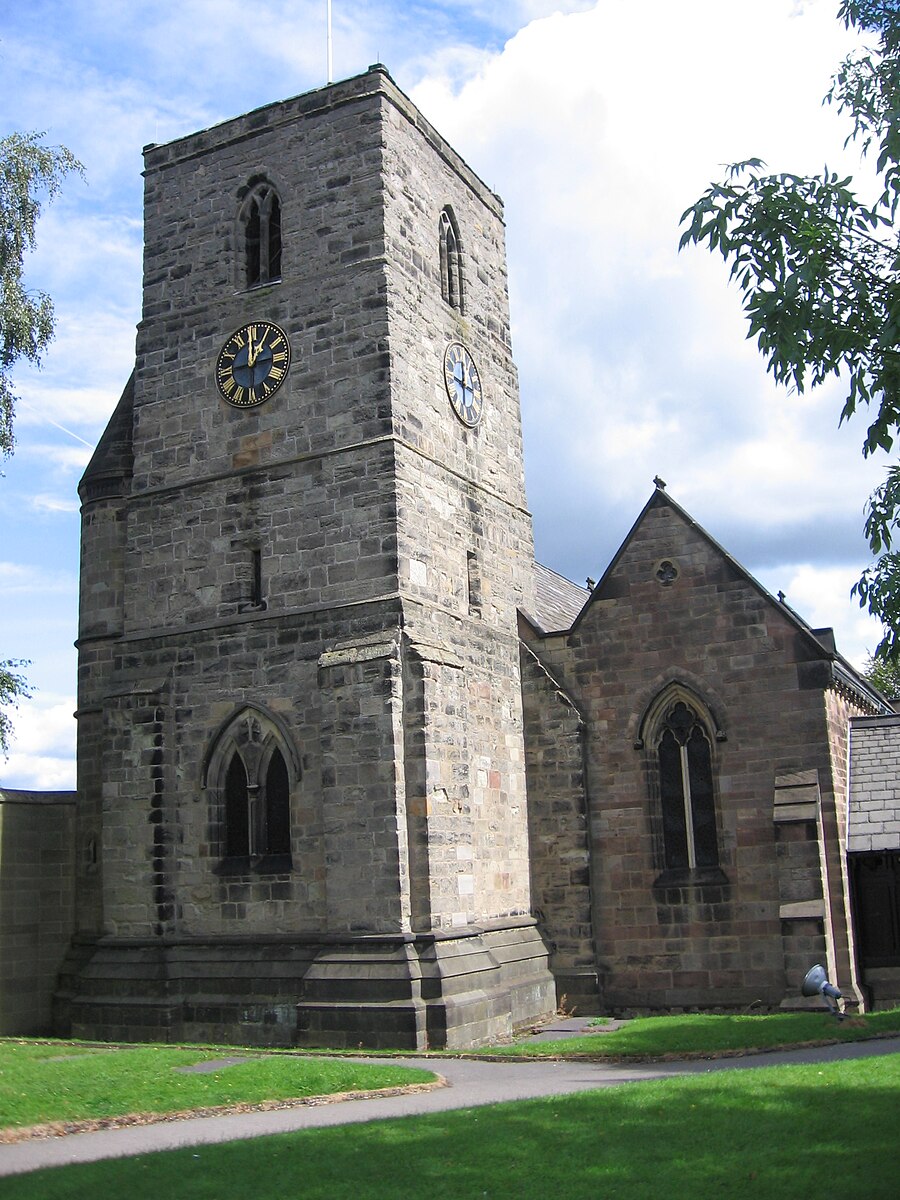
[
  {"x": 464, "y": 534},
  {"x": 37, "y": 868},
  {"x": 840, "y": 709},
  {"x": 379, "y": 643},
  {"x": 558, "y": 834},
  {"x": 323, "y": 152},
  {"x": 280, "y": 666},
  {"x": 874, "y": 784}
]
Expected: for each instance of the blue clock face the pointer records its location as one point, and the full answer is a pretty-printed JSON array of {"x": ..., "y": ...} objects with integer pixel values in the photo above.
[
  {"x": 463, "y": 384},
  {"x": 253, "y": 364}
]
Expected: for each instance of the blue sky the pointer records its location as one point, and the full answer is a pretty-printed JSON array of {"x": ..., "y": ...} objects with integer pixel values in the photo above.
[{"x": 598, "y": 124}]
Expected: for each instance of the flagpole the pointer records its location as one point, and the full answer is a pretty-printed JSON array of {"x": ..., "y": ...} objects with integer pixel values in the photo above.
[{"x": 328, "y": 51}]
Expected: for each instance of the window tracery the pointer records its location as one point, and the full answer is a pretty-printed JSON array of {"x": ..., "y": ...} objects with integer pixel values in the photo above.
[
  {"x": 249, "y": 771},
  {"x": 686, "y": 791},
  {"x": 678, "y": 736}
]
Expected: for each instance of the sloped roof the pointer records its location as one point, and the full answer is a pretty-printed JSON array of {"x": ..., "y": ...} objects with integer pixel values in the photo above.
[
  {"x": 557, "y": 601},
  {"x": 113, "y": 459},
  {"x": 19, "y": 796}
]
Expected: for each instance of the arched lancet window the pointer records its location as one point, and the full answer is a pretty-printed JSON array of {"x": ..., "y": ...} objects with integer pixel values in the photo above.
[
  {"x": 686, "y": 791},
  {"x": 679, "y": 742},
  {"x": 277, "y": 807},
  {"x": 248, "y": 772},
  {"x": 261, "y": 222},
  {"x": 237, "y": 810},
  {"x": 451, "y": 260}
]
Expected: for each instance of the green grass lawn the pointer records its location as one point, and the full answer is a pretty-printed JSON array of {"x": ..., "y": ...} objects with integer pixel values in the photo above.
[
  {"x": 701, "y": 1033},
  {"x": 67, "y": 1082},
  {"x": 771, "y": 1134}
]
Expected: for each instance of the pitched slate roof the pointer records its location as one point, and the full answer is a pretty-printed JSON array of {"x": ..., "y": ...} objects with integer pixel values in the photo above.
[
  {"x": 113, "y": 460},
  {"x": 557, "y": 601}
]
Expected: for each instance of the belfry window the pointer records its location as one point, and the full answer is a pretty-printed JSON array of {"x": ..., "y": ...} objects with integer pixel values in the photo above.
[
  {"x": 686, "y": 790},
  {"x": 249, "y": 771},
  {"x": 451, "y": 260},
  {"x": 261, "y": 220}
]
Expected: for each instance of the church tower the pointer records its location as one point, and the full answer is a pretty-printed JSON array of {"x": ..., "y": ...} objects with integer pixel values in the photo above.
[{"x": 302, "y": 813}]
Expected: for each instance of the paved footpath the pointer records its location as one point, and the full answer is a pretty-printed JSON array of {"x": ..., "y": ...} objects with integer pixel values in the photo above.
[{"x": 471, "y": 1083}]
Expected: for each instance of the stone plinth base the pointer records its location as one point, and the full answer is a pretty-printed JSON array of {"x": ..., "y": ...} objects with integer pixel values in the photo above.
[
  {"x": 239, "y": 990},
  {"x": 427, "y": 991},
  {"x": 404, "y": 991}
]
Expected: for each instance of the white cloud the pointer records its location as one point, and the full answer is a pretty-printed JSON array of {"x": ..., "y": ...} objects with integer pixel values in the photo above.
[
  {"x": 818, "y": 594},
  {"x": 632, "y": 357},
  {"x": 18, "y": 579},
  {"x": 67, "y": 458},
  {"x": 42, "y": 751},
  {"x": 83, "y": 373},
  {"x": 53, "y": 504}
]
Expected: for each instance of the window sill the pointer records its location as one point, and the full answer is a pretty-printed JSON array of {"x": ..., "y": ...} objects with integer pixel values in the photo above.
[
  {"x": 685, "y": 877},
  {"x": 264, "y": 864},
  {"x": 273, "y": 864},
  {"x": 259, "y": 287}
]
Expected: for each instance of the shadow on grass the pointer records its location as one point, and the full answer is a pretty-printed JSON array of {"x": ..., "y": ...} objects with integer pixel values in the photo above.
[
  {"x": 773, "y": 1133},
  {"x": 707, "y": 1034}
]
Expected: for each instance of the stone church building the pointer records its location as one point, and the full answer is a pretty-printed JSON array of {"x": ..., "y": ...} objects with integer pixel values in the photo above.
[{"x": 353, "y": 769}]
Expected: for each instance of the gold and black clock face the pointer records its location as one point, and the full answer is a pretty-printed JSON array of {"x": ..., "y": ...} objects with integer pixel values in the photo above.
[
  {"x": 253, "y": 364},
  {"x": 463, "y": 384}
]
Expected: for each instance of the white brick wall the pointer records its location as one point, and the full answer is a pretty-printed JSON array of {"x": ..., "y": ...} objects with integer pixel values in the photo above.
[{"x": 874, "y": 820}]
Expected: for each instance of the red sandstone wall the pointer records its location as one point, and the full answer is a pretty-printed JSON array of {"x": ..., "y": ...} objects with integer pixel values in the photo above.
[{"x": 714, "y": 938}]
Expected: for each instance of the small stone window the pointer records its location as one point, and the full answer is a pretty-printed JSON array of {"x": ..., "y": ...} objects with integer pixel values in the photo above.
[
  {"x": 252, "y": 585},
  {"x": 666, "y": 572},
  {"x": 261, "y": 226},
  {"x": 473, "y": 583},
  {"x": 451, "y": 260}
]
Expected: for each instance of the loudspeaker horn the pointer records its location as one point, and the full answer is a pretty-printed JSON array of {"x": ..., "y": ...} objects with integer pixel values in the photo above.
[
  {"x": 816, "y": 983},
  {"x": 815, "y": 978}
]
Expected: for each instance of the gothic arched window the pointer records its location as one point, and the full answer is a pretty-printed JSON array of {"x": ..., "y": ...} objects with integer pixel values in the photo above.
[
  {"x": 249, "y": 775},
  {"x": 686, "y": 791},
  {"x": 451, "y": 260},
  {"x": 261, "y": 223},
  {"x": 678, "y": 734}
]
